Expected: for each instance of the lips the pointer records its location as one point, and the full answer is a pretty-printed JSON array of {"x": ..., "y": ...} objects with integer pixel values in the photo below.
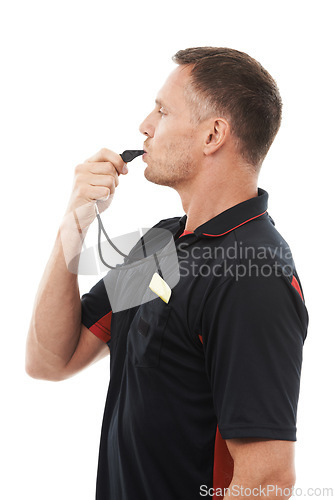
[{"x": 145, "y": 154}]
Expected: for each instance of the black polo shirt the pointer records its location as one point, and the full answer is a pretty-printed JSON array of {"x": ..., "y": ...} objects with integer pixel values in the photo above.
[{"x": 222, "y": 359}]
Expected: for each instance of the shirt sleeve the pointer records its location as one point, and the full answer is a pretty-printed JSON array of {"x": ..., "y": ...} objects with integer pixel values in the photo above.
[
  {"x": 96, "y": 311},
  {"x": 253, "y": 331}
]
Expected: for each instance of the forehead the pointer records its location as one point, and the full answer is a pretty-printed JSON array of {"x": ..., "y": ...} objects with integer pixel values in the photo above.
[{"x": 172, "y": 92}]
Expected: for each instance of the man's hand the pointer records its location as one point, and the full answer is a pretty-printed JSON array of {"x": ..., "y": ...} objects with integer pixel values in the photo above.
[{"x": 95, "y": 181}]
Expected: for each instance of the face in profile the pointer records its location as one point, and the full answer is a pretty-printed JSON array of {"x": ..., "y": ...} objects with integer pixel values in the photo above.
[{"x": 172, "y": 140}]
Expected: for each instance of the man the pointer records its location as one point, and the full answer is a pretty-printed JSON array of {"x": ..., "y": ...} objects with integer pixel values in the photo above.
[{"x": 203, "y": 388}]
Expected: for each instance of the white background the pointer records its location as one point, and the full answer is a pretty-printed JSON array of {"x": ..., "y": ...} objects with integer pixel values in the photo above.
[{"x": 81, "y": 75}]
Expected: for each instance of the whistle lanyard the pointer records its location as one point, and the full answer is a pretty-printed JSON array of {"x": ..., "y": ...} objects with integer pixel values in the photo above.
[{"x": 102, "y": 230}]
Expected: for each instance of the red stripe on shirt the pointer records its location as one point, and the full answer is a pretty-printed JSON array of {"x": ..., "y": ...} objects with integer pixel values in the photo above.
[
  {"x": 223, "y": 465},
  {"x": 185, "y": 232},
  {"x": 102, "y": 327},
  {"x": 242, "y": 223},
  {"x": 295, "y": 284}
]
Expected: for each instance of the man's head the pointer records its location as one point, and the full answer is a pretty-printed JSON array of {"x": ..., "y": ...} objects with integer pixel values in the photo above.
[{"x": 218, "y": 103}]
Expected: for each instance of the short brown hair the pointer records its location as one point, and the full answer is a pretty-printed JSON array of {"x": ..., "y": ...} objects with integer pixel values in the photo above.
[{"x": 231, "y": 82}]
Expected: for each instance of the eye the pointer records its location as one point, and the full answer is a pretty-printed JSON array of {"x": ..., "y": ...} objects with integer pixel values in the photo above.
[{"x": 161, "y": 111}]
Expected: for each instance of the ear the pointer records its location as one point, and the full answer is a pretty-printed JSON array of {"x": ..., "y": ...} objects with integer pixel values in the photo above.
[{"x": 216, "y": 136}]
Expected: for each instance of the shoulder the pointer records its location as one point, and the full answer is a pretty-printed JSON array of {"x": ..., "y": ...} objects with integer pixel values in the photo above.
[{"x": 257, "y": 300}]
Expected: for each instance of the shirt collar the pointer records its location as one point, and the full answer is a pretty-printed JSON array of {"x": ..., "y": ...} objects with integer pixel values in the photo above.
[{"x": 233, "y": 217}]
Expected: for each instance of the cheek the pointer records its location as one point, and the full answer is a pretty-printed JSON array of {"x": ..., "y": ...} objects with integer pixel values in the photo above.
[
  {"x": 172, "y": 136},
  {"x": 163, "y": 131}
]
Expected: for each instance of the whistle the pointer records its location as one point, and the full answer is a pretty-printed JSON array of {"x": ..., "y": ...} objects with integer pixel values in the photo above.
[{"x": 131, "y": 154}]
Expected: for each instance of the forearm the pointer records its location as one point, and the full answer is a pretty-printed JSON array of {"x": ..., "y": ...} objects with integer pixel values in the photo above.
[
  {"x": 56, "y": 319},
  {"x": 262, "y": 468},
  {"x": 253, "y": 490}
]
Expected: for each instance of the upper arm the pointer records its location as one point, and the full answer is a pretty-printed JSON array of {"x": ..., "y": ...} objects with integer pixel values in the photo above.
[
  {"x": 253, "y": 332},
  {"x": 262, "y": 461},
  {"x": 89, "y": 350}
]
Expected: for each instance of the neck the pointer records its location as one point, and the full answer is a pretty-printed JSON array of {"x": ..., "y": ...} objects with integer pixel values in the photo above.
[{"x": 208, "y": 196}]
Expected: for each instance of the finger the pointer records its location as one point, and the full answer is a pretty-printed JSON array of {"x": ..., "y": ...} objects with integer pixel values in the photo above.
[
  {"x": 99, "y": 192},
  {"x": 107, "y": 155},
  {"x": 102, "y": 180},
  {"x": 101, "y": 167}
]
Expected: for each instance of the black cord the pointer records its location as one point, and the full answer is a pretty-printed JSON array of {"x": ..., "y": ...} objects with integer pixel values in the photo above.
[
  {"x": 158, "y": 266},
  {"x": 101, "y": 229}
]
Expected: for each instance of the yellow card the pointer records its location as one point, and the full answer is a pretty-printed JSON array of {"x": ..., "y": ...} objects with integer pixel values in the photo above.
[{"x": 160, "y": 287}]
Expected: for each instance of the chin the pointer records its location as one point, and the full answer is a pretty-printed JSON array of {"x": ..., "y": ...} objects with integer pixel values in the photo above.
[{"x": 154, "y": 178}]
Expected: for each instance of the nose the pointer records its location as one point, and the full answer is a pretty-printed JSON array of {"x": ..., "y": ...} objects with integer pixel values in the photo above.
[{"x": 147, "y": 127}]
